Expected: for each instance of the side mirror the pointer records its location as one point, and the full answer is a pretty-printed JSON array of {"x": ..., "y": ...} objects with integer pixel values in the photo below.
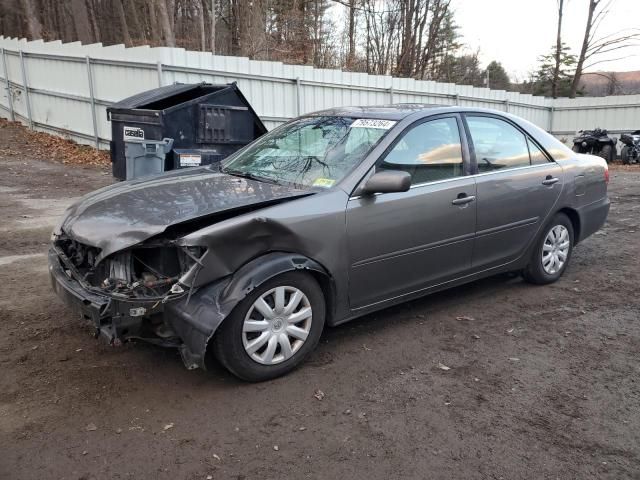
[{"x": 387, "y": 181}]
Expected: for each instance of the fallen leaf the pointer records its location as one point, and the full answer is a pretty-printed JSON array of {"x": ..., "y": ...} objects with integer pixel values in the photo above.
[
  {"x": 276, "y": 448},
  {"x": 168, "y": 426},
  {"x": 442, "y": 366},
  {"x": 465, "y": 318},
  {"x": 319, "y": 394},
  {"x": 514, "y": 359},
  {"x": 91, "y": 427}
]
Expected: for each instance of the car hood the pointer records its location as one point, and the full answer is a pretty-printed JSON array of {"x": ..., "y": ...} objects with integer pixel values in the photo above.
[{"x": 127, "y": 213}]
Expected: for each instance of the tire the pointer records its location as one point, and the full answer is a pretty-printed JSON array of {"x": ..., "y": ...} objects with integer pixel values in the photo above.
[
  {"x": 576, "y": 148},
  {"x": 536, "y": 272},
  {"x": 625, "y": 155},
  {"x": 606, "y": 152},
  {"x": 229, "y": 342}
]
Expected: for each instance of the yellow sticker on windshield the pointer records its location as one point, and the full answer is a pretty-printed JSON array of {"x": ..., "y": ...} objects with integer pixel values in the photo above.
[{"x": 323, "y": 182}]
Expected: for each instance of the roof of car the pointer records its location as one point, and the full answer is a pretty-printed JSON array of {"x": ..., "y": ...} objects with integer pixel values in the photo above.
[{"x": 396, "y": 111}]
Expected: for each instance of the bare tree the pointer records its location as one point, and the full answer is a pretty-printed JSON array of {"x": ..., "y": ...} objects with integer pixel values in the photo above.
[
  {"x": 126, "y": 37},
  {"x": 213, "y": 26},
  {"x": 165, "y": 23},
  {"x": 351, "y": 55},
  {"x": 593, "y": 46},
  {"x": 33, "y": 24},
  {"x": 81, "y": 21},
  {"x": 556, "y": 71}
]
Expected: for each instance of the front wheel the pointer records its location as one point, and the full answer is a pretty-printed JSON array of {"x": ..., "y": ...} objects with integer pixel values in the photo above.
[
  {"x": 576, "y": 148},
  {"x": 625, "y": 154},
  {"x": 273, "y": 329},
  {"x": 607, "y": 153},
  {"x": 552, "y": 251}
]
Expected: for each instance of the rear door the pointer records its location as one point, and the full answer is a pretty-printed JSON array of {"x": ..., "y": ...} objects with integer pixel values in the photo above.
[
  {"x": 517, "y": 187},
  {"x": 402, "y": 242}
]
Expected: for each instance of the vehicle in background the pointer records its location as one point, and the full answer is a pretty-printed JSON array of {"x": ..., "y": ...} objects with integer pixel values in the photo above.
[
  {"x": 329, "y": 217},
  {"x": 596, "y": 142},
  {"x": 630, "y": 152}
]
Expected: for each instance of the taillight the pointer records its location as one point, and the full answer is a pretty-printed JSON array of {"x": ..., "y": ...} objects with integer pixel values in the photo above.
[{"x": 606, "y": 174}]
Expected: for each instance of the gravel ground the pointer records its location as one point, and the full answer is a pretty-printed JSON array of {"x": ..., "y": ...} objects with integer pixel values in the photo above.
[{"x": 543, "y": 381}]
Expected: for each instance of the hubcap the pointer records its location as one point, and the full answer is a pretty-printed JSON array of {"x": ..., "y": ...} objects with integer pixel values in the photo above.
[
  {"x": 555, "y": 249},
  {"x": 277, "y": 325}
]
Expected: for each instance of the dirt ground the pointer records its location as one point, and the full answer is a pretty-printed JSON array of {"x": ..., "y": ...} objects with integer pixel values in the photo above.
[{"x": 543, "y": 381}]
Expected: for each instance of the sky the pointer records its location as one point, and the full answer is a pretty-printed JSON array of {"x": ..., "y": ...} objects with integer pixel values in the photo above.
[{"x": 517, "y": 32}]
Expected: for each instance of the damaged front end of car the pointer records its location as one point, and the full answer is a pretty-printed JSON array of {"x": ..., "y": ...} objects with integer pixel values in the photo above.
[{"x": 124, "y": 295}]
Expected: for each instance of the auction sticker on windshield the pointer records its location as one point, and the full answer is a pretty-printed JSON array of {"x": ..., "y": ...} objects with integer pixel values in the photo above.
[{"x": 373, "y": 123}]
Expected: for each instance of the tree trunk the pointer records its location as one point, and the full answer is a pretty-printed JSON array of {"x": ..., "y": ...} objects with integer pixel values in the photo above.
[
  {"x": 134, "y": 21},
  {"x": 213, "y": 26},
  {"x": 203, "y": 38},
  {"x": 165, "y": 23},
  {"x": 583, "y": 51},
  {"x": 352, "y": 34},
  {"x": 81, "y": 21},
  {"x": 33, "y": 24},
  {"x": 556, "y": 70},
  {"x": 123, "y": 23}
]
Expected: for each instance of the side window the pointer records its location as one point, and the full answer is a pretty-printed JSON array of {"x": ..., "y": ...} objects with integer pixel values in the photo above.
[
  {"x": 537, "y": 156},
  {"x": 497, "y": 144},
  {"x": 430, "y": 151}
]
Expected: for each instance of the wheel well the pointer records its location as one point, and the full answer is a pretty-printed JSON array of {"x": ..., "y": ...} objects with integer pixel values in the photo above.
[
  {"x": 575, "y": 222},
  {"x": 326, "y": 285}
]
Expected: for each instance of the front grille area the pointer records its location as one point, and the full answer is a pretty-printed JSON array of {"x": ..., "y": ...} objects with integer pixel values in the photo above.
[{"x": 83, "y": 257}]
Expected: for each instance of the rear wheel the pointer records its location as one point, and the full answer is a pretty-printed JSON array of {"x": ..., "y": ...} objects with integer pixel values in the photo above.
[
  {"x": 552, "y": 251},
  {"x": 607, "y": 153},
  {"x": 625, "y": 155},
  {"x": 576, "y": 148},
  {"x": 273, "y": 329}
]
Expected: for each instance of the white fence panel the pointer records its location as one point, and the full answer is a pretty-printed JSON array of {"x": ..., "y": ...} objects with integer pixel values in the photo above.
[{"x": 62, "y": 100}]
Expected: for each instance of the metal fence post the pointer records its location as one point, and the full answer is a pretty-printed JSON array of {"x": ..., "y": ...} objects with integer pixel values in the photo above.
[
  {"x": 391, "y": 94},
  {"x": 457, "y": 99},
  {"x": 159, "y": 69},
  {"x": 506, "y": 106},
  {"x": 551, "y": 110},
  {"x": 8, "y": 85},
  {"x": 298, "y": 100},
  {"x": 26, "y": 89},
  {"x": 93, "y": 102}
]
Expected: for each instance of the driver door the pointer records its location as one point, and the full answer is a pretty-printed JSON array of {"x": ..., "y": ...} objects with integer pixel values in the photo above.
[{"x": 400, "y": 243}]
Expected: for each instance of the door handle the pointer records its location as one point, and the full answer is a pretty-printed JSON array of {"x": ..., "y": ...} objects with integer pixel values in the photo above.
[
  {"x": 463, "y": 199},
  {"x": 550, "y": 180}
]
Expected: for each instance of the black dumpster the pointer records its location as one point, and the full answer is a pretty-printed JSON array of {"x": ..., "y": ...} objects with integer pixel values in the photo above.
[{"x": 206, "y": 122}]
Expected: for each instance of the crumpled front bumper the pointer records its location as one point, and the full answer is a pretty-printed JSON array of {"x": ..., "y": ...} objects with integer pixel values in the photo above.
[{"x": 117, "y": 319}]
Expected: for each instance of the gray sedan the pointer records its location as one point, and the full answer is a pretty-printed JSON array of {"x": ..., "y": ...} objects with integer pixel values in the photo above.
[{"x": 329, "y": 217}]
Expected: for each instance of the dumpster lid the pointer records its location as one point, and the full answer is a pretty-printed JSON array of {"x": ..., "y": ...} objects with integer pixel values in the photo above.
[
  {"x": 154, "y": 95},
  {"x": 170, "y": 96}
]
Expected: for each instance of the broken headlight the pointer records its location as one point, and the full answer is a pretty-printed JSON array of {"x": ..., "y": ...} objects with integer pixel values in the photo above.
[{"x": 146, "y": 272}]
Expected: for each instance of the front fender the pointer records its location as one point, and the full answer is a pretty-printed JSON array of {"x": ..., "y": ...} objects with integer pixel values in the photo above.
[{"x": 196, "y": 318}]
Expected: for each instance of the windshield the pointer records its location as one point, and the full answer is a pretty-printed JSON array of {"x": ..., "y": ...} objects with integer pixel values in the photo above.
[{"x": 310, "y": 151}]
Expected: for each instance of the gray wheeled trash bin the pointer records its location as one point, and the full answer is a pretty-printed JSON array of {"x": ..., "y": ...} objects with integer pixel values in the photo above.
[{"x": 146, "y": 157}]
